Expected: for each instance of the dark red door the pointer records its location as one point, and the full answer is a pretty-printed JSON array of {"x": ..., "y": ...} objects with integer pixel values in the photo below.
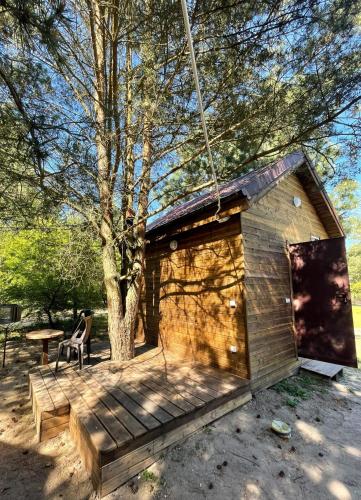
[{"x": 322, "y": 303}]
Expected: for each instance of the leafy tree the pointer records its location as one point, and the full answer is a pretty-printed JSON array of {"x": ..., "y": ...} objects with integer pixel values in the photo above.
[
  {"x": 346, "y": 199},
  {"x": 107, "y": 116},
  {"x": 43, "y": 269},
  {"x": 354, "y": 265}
]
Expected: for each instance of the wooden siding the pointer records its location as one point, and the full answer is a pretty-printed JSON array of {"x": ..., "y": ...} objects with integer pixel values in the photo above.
[
  {"x": 186, "y": 301},
  {"x": 267, "y": 226}
]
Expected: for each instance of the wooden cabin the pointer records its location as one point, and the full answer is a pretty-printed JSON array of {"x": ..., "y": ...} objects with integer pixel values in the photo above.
[
  {"x": 244, "y": 292},
  {"x": 219, "y": 290}
]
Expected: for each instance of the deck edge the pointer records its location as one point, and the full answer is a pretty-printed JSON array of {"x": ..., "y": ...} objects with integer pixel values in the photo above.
[{"x": 117, "y": 472}]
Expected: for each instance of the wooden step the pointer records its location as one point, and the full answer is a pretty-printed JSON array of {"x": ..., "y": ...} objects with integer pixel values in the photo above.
[
  {"x": 328, "y": 370},
  {"x": 51, "y": 407}
]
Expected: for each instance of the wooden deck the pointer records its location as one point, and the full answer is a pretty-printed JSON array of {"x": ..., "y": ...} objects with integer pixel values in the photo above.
[{"x": 121, "y": 416}]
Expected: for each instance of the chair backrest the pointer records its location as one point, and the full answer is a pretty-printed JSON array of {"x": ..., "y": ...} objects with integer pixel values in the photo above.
[
  {"x": 82, "y": 331},
  {"x": 80, "y": 318}
]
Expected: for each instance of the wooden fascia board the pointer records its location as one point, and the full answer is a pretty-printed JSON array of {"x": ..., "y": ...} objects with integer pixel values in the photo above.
[{"x": 237, "y": 205}]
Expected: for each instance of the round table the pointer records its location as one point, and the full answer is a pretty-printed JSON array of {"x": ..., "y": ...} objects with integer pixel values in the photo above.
[{"x": 45, "y": 336}]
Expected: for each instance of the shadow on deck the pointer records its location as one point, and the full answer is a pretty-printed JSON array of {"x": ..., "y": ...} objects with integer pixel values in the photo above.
[{"x": 123, "y": 415}]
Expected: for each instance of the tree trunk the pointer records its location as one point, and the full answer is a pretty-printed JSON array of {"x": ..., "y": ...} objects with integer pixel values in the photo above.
[
  {"x": 105, "y": 100},
  {"x": 122, "y": 307},
  {"x": 75, "y": 309},
  {"x": 50, "y": 318},
  {"x": 129, "y": 321},
  {"x": 128, "y": 175},
  {"x": 120, "y": 329}
]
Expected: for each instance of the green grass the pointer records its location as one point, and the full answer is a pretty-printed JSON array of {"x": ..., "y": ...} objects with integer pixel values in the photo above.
[
  {"x": 99, "y": 327},
  {"x": 149, "y": 476},
  {"x": 292, "y": 402},
  {"x": 11, "y": 336},
  {"x": 356, "y": 312},
  {"x": 358, "y": 350},
  {"x": 297, "y": 389}
]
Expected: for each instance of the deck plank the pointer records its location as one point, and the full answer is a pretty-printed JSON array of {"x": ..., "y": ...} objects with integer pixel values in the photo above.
[
  {"x": 173, "y": 373},
  {"x": 215, "y": 376},
  {"x": 119, "y": 433},
  {"x": 228, "y": 380},
  {"x": 41, "y": 393},
  {"x": 169, "y": 392},
  {"x": 219, "y": 386},
  {"x": 133, "y": 407},
  {"x": 134, "y": 427},
  {"x": 153, "y": 395},
  {"x": 194, "y": 378},
  {"x": 159, "y": 377},
  {"x": 101, "y": 440},
  {"x": 55, "y": 391},
  {"x": 200, "y": 391},
  {"x": 149, "y": 405}
]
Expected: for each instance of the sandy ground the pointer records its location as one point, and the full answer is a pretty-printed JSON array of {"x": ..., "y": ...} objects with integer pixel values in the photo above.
[{"x": 237, "y": 457}]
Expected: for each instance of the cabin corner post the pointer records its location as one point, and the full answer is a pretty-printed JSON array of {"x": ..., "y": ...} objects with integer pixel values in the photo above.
[
  {"x": 266, "y": 226},
  {"x": 291, "y": 297},
  {"x": 245, "y": 300}
]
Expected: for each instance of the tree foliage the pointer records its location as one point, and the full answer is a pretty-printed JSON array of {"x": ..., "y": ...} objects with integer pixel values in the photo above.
[
  {"x": 354, "y": 265},
  {"x": 50, "y": 269},
  {"x": 346, "y": 198}
]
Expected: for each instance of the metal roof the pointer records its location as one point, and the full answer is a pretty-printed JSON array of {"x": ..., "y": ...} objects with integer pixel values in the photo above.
[{"x": 249, "y": 186}]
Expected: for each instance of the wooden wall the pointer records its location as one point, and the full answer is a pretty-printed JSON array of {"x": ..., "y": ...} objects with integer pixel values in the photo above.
[
  {"x": 186, "y": 301},
  {"x": 266, "y": 226},
  {"x": 187, "y": 292}
]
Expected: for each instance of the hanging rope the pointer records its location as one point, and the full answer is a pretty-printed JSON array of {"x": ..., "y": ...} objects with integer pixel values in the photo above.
[{"x": 200, "y": 101}]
